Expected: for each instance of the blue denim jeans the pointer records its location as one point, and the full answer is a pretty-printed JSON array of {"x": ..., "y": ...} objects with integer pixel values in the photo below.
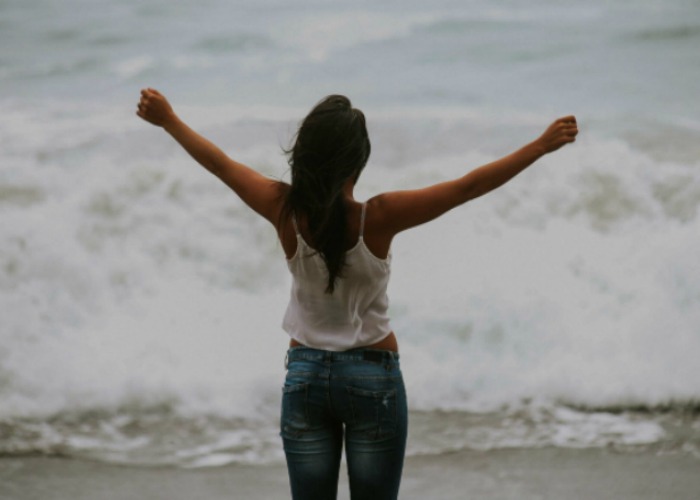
[{"x": 354, "y": 397}]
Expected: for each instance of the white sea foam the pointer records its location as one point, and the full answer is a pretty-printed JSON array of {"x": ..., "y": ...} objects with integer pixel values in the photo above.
[
  {"x": 151, "y": 283},
  {"x": 137, "y": 292}
]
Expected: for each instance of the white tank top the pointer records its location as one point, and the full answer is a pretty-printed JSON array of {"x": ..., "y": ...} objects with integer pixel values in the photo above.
[{"x": 355, "y": 314}]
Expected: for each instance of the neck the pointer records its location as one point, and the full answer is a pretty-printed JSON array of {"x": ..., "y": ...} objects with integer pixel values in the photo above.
[{"x": 348, "y": 189}]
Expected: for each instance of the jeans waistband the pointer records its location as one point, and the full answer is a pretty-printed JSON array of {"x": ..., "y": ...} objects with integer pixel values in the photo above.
[{"x": 308, "y": 353}]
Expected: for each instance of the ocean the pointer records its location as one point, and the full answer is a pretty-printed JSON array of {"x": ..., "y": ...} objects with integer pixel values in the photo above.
[{"x": 141, "y": 301}]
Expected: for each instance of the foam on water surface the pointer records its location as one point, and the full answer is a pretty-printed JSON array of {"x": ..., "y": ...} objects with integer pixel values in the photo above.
[
  {"x": 151, "y": 289},
  {"x": 141, "y": 300}
]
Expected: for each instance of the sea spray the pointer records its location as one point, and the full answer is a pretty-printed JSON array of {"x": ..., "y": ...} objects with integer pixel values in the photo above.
[{"x": 141, "y": 301}]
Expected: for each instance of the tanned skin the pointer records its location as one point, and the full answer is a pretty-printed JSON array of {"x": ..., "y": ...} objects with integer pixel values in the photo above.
[{"x": 387, "y": 214}]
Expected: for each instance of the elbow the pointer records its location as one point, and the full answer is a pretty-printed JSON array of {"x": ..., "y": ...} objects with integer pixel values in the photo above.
[
  {"x": 471, "y": 190},
  {"x": 214, "y": 169},
  {"x": 215, "y": 166}
]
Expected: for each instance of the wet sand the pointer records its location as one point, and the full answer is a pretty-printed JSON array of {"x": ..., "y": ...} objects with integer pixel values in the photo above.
[{"x": 550, "y": 473}]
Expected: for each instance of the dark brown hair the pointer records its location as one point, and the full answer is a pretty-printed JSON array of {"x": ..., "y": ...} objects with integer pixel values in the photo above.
[{"x": 331, "y": 147}]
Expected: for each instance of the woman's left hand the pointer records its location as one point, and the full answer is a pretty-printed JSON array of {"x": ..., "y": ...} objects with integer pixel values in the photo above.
[{"x": 155, "y": 108}]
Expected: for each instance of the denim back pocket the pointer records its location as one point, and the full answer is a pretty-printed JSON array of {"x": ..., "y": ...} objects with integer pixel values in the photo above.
[
  {"x": 373, "y": 413},
  {"x": 295, "y": 418}
]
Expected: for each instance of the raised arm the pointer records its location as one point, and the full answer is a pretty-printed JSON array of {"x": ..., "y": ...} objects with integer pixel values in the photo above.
[
  {"x": 400, "y": 210},
  {"x": 261, "y": 193}
]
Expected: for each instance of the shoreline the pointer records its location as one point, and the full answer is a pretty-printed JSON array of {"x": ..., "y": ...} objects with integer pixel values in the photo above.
[{"x": 535, "y": 473}]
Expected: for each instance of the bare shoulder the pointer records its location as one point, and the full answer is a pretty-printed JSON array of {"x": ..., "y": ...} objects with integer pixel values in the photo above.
[
  {"x": 377, "y": 233},
  {"x": 396, "y": 211},
  {"x": 375, "y": 213}
]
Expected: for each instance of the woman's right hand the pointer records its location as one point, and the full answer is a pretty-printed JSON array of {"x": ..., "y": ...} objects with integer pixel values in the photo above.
[
  {"x": 562, "y": 131},
  {"x": 155, "y": 108}
]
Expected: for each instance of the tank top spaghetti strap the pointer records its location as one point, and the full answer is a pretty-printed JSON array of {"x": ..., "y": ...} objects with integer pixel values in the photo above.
[
  {"x": 362, "y": 222},
  {"x": 355, "y": 314}
]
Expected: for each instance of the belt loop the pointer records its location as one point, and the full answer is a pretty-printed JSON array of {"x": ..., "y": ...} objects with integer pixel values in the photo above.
[{"x": 286, "y": 360}]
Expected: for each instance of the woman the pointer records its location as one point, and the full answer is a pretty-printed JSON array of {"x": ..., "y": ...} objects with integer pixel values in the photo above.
[{"x": 343, "y": 383}]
